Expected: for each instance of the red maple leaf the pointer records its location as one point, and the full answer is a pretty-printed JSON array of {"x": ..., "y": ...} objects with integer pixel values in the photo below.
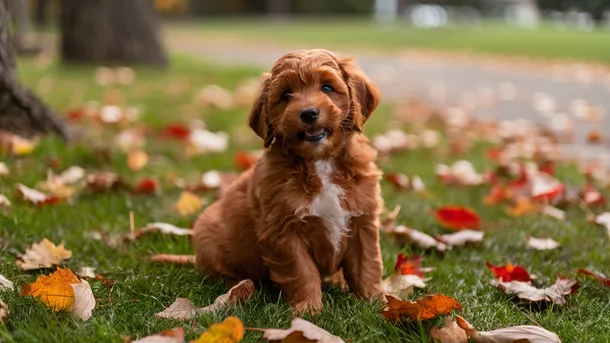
[
  {"x": 146, "y": 186},
  {"x": 509, "y": 272},
  {"x": 458, "y": 218},
  {"x": 597, "y": 276},
  {"x": 408, "y": 265},
  {"x": 175, "y": 131}
]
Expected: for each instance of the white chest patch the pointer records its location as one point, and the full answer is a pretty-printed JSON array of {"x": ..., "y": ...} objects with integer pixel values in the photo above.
[{"x": 327, "y": 204}]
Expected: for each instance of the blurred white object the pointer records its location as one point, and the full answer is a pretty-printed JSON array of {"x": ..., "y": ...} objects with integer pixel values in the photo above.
[
  {"x": 205, "y": 140},
  {"x": 427, "y": 16}
]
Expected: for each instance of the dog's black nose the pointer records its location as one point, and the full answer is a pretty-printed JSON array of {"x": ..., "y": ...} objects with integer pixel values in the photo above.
[{"x": 310, "y": 115}]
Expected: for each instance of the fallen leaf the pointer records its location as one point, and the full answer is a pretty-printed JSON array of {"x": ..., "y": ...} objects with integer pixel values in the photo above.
[
  {"x": 450, "y": 333},
  {"x": 183, "y": 309},
  {"x": 509, "y": 272},
  {"x": 4, "y": 202},
  {"x": 22, "y": 146},
  {"x": 86, "y": 272},
  {"x": 170, "y": 336},
  {"x": 591, "y": 196},
  {"x": 244, "y": 160},
  {"x": 525, "y": 291},
  {"x": 522, "y": 207},
  {"x": 35, "y": 197},
  {"x": 402, "y": 286},
  {"x": 597, "y": 276},
  {"x": 461, "y": 238},
  {"x": 431, "y": 306},
  {"x": 188, "y": 203},
  {"x": 175, "y": 131},
  {"x": 211, "y": 179},
  {"x": 174, "y": 259},
  {"x": 388, "y": 222},
  {"x": 419, "y": 238},
  {"x": 4, "y": 312},
  {"x": 146, "y": 186},
  {"x": 300, "y": 331},
  {"x": 5, "y": 283},
  {"x": 84, "y": 301},
  {"x": 231, "y": 330},
  {"x": 206, "y": 141},
  {"x": 553, "y": 212},
  {"x": 542, "y": 243},
  {"x": 102, "y": 181},
  {"x": 458, "y": 218},
  {"x": 513, "y": 334},
  {"x": 417, "y": 184},
  {"x": 461, "y": 173},
  {"x": 604, "y": 219},
  {"x": 595, "y": 137},
  {"x": 3, "y": 169},
  {"x": 398, "y": 180},
  {"x": 408, "y": 265},
  {"x": 137, "y": 159},
  {"x": 163, "y": 228},
  {"x": 44, "y": 254},
  {"x": 54, "y": 290}
]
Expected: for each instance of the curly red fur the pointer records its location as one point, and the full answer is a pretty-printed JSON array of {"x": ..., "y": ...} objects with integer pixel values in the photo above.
[{"x": 282, "y": 218}]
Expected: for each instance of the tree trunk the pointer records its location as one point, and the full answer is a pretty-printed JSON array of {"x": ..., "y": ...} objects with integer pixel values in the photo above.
[
  {"x": 278, "y": 8},
  {"x": 110, "y": 32},
  {"x": 21, "y": 111}
]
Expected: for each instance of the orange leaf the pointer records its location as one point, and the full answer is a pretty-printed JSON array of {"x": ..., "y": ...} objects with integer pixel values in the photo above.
[
  {"x": 431, "y": 306},
  {"x": 54, "y": 290},
  {"x": 522, "y": 207},
  {"x": 509, "y": 272},
  {"x": 409, "y": 265},
  {"x": 146, "y": 186},
  {"x": 137, "y": 159},
  {"x": 458, "y": 218},
  {"x": 188, "y": 203}
]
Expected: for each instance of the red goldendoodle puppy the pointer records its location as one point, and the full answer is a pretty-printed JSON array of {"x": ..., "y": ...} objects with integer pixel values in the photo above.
[{"x": 310, "y": 206}]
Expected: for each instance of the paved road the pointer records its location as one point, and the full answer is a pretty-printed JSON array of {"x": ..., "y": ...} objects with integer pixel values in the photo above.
[{"x": 449, "y": 82}]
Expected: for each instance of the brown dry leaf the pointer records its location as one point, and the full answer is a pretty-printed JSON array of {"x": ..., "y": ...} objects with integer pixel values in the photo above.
[
  {"x": 300, "y": 331},
  {"x": 542, "y": 243},
  {"x": 188, "y": 203},
  {"x": 5, "y": 283},
  {"x": 4, "y": 312},
  {"x": 174, "y": 259},
  {"x": 513, "y": 334},
  {"x": 604, "y": 219},
  {"x": 170, "y": 336},
  {"x": 3, "y": 169},
  {"x": 450, "y": 333},
  {"x": 137, "y": 159},
  {"x": 553, "y": 212},
  {"x": 86, "y": 272},
  {"x": 34, "y": 196},
  {"x": 431, "y": 306},
  {"x": 183, "y": 309},
  {"x": 54, "y": 290},
  {"x": 419, "y": 238},
  {"x": 231, "y": 330},
  {"x": 163, "y": 228},
  {"x": 595, "y": 137},
  {"x": 388, "y": 223},
  {"x": 102, "y": 181},
  {"x": 401, "y": 286},
  {"x": 461, "y": 238},
  {"x": 43, "y": 255},
  {"x": 525, "y": 291},
  {"x": 84, "y": 301},
  {"x": 522, "y": 207}
]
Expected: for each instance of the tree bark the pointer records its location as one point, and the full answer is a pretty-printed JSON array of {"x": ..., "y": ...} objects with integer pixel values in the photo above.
[
  {"x": 110, "y": 32},
  {"x": 21, "y": 111}
]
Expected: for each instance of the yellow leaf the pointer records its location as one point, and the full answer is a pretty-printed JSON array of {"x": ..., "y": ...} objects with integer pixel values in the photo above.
[
  {"x": 231, "y": 330},
  {"x": 188, "y": 203},
  {"x": 137, "y": 160},
  {"x": 21, "y": 146},
  {"x": 54, "y": 290}
]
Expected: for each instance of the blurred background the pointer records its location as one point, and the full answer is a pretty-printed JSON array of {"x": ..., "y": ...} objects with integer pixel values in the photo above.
[{"x": 544, "y": 61}]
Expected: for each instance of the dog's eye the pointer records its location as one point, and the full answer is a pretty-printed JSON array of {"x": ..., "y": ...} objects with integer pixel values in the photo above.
[
  {"x": 286, "y": 96},
  {"x": 326, "y": 88}
]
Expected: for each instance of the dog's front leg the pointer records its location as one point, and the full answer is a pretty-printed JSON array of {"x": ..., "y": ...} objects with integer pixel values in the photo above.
[
  {"x": 362, "y": 263},
  {"x": 292, "y": 268}
]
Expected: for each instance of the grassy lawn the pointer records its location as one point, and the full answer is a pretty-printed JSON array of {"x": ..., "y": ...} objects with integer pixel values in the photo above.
[
  {"x": 143, "y": 288},
  {"x": 491, "y": 37}
]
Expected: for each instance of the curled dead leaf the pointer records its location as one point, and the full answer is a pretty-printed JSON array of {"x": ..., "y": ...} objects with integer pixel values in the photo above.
[
  {"x": 84, "y": 301},
  {"x": 402, "y": 286},
  {"x": 419, "y": 238},
  {"x": 513, "y": 334},
  {"x": 542, "y": 243},
  {"x": 5, "y": 283},
  {"x": 431, "y": 306},
  {"x": 599, "y": 277},
  {"x": 450, "y": 333},
  {"x": 183, "y": 309},
  {"x": 175, "y": 335},
  {"x": 300, "y": 331},
  {"x": 525, "y": 291},
  {"x": 103, "y": 181},
  {"x": 44, "y": 254},
  {"x": 36, "y": 197},
  {"x": 461, "y": 238}
]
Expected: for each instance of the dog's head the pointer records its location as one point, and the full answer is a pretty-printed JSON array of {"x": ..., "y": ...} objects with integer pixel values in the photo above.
[{"x": 311, "y": 102}]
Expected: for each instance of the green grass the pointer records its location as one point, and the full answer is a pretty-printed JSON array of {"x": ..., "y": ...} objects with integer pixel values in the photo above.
[
  {"x": 491, "y": 37},
  {"x": 143, "y": 289}
]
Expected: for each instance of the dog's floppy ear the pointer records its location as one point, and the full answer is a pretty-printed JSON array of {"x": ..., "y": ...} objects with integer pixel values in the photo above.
[
  {"x": 259, "y": 120},
  {"x": 364, "y": 93}
]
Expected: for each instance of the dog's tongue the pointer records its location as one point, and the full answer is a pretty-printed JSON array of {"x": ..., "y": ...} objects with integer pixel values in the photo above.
[{"x": 315, "y": 131}]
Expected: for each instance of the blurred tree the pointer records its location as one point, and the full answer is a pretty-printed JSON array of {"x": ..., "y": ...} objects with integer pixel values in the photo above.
[
  {"x": 595, "y": 7},
  {"x": 278, "y": 8},
  {"x": 110, "y": 31},
  {"x": 21, "y": 111}
]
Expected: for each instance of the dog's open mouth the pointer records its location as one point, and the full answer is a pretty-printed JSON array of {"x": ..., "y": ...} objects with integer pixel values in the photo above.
[{"x": 314, "y": 134}]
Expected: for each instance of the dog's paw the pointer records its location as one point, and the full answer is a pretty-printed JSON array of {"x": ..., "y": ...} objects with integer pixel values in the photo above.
[{"x": 312, "y": 307}]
